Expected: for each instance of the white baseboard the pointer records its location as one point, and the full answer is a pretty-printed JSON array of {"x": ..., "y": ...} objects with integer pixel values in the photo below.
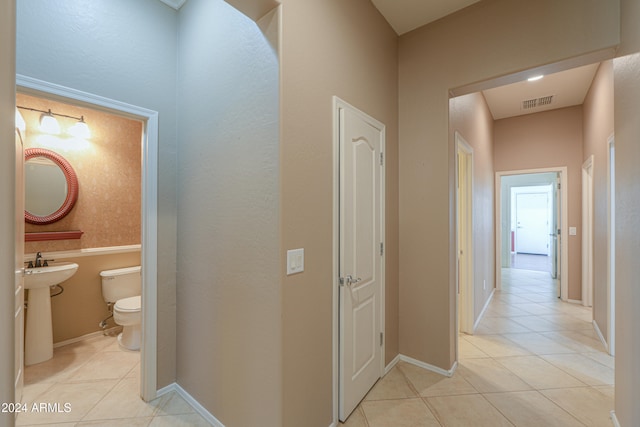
[
  {"x": 486, "y": 305},
  {"x": 391, "y": 364},
  {"x": 191, "y": 401},
  {"x": 616, "y": 423},
  {"x": 84, "y": 337},
  {"x": 429, "y": 367},
  {"x": 602, "y": 340}
]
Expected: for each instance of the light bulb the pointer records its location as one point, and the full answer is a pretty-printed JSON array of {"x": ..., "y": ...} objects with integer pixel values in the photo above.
[
  {"x": 80, "y": 129},
  {"x": 20, "y": 123},
  {"x": 49, "y": 124}
]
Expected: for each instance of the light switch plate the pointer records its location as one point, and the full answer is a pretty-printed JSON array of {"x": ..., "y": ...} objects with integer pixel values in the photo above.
[
  {"x": 295, "y": 261},
  {"x": 572, "y": 231}
]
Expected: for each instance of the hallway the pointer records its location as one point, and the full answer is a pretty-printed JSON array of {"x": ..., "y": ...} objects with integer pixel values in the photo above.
[{"x": 534, "y": 361}]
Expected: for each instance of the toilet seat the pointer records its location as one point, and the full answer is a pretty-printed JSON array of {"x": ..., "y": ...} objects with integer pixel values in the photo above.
[{"x": 129, "y": 305}]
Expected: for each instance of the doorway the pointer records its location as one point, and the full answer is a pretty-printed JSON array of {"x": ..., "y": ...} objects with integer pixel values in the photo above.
[
  {"x": 149, "y": 211},
  {"x": 532, "y": 225},
  {"x": 551, "y": 213},
  {"x": 359, "y": 142}
]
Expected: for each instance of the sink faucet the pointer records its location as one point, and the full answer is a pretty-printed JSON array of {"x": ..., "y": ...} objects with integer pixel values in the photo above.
[{"x": 39, "y": 259}]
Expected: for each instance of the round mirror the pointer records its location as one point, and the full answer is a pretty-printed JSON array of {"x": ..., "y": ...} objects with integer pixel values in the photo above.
[{"x": 51, "y": 186}]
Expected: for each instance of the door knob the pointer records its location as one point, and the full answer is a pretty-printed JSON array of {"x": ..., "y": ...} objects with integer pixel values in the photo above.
[{"x": 349, "y": 280}]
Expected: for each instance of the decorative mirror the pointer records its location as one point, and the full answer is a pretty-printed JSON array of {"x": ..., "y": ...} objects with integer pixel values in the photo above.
[{"x": 51, "y": 186}]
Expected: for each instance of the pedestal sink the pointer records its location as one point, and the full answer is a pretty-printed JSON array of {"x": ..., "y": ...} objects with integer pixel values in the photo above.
[{"x": 38, "y": 345}]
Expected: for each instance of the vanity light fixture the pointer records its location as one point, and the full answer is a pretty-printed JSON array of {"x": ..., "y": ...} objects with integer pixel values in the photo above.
[{"x": 49, "y": 124}]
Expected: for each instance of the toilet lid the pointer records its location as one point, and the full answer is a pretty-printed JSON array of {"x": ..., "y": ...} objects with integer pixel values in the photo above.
[{"x": 129, "y": 304}]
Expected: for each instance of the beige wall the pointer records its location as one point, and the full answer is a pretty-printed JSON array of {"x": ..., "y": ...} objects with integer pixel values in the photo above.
[
  {"x": 7, "y": 206},
  {"x": 598, "y": 127},
  {"x": 470, "y": 116},
  {"x": 487, "y": 40},
  {"x": 346, "y": 49},
  {"x": 627, "y": 128},
  {"x": 545, "y": 140},
  {"x": 229, "y": 322},
  {"x": 108, "y": 171}
]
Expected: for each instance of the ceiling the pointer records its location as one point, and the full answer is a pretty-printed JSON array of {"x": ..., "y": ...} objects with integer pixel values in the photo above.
[
  {"x": 559, "y": 90},
  {"x": 407, "y": 15}
]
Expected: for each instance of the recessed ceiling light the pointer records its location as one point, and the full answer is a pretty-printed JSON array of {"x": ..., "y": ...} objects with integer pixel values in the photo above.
[{"x": 534, "y": 78}]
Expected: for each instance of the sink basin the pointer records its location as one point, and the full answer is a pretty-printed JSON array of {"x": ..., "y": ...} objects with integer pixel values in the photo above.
[
  {"x": 38, "y": 336},
  {"x": 43, "y": 277}
]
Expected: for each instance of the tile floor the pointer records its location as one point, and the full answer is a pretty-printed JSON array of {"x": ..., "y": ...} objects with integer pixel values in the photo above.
[
  {"x": 530, "y": 262},
  {"x": 534, "y": 361},
  {"x": 101, "y": 382}
]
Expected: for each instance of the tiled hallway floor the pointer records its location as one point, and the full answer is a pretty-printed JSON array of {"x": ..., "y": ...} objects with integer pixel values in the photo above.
[
  {"x": 101, "y": 382},
  {"x": 534, "y": 361},
  {"x": 530, "y": 262}
]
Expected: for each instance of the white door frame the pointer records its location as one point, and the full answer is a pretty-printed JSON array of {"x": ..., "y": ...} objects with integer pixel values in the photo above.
[
  {"x": 148, "y": 351},
  {"x": 587, "y": 232},
  {"x": 564, "y": 246},
  {"x": 337, "y": 105},
  {"x": 464, "y": 240},
  {"x": 611, "y": 244}
]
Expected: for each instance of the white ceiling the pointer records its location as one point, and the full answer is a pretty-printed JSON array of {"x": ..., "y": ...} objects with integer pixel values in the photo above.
[
  {"x": 407, "y": 15},
  {"x": 568, "y": 88}
]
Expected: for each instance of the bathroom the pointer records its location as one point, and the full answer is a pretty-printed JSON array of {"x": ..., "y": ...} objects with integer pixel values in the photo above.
[{"x": 100, "y": 232}]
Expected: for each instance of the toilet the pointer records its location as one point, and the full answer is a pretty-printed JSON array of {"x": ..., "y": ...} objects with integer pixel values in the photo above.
[{"x": 121, "y": 288}]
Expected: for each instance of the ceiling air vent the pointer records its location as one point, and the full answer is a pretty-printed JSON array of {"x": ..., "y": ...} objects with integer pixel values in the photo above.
[{"x": 528, "y": 104}]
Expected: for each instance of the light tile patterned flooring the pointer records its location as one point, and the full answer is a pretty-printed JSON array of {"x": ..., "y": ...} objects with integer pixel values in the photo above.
[
  {"x": 101, "y": 382},
  {"x": 530, "y": 262},
  {"x": 534, "y": 361}
]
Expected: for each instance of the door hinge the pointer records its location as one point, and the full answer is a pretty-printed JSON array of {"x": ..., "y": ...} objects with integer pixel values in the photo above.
[
  {"x": 381, "y": 248},
  {"x": 381, "y": 159},
  {"x": 559, "y": 186},
  {"x": 381, "y": 339}
]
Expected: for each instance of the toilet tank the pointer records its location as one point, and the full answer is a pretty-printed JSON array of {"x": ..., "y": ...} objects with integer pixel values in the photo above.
[{"x": 121, "y": 283}]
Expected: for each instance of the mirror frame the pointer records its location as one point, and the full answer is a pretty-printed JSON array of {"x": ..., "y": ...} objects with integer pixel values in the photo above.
[{"x": 72, "y": 186}]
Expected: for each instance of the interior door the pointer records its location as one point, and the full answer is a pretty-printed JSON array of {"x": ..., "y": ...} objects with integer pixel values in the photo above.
[
  {"x": 532, "y": 231},
  {"x": 555, "y": 231},
  {"x": 361, "y": 257},
  {"x": 464, "y": 221},
  {"x": 19, "y": 270}
]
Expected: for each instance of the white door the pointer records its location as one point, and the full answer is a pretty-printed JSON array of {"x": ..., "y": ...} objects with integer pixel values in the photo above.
[
  {"x": 19, "y": 270},
  {"x": 532, "y": 223},
  {"x": 361, "y": 256},
  {"x": 554, "y": 232}
]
